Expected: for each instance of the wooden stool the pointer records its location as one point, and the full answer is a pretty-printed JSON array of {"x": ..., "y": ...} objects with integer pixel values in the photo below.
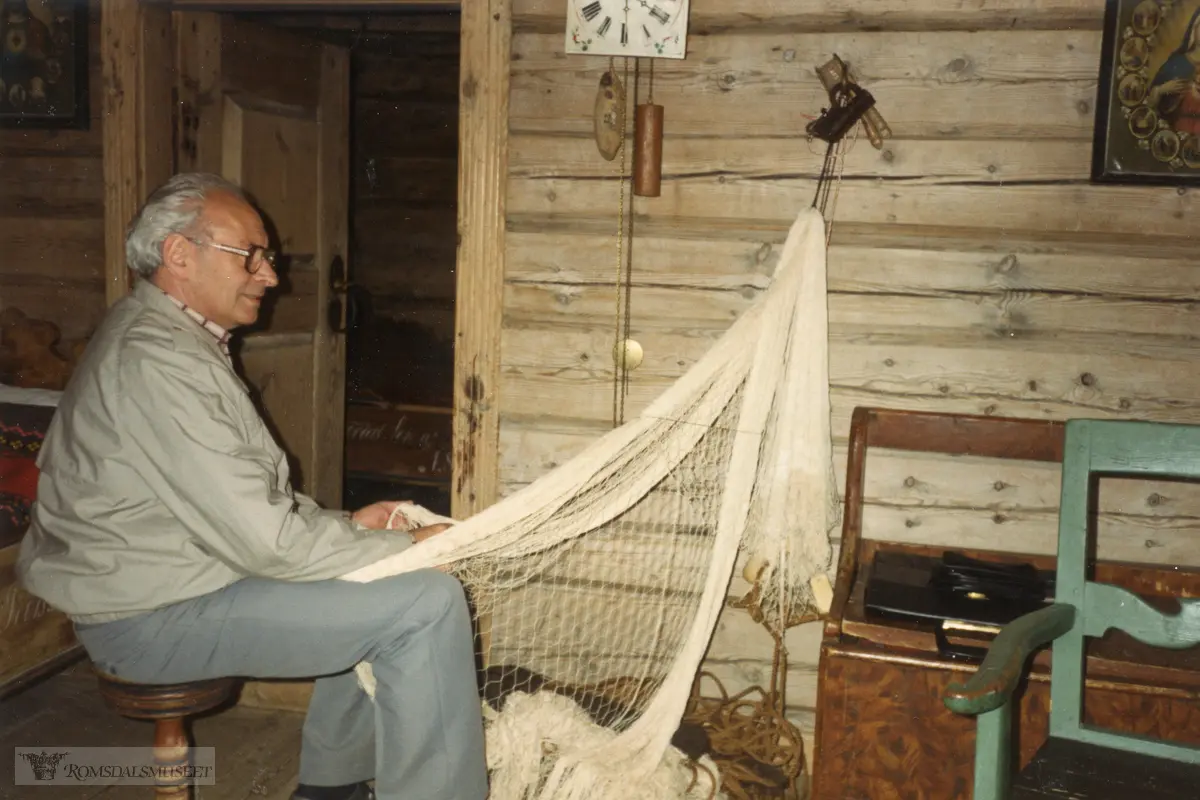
[{"x": 168, "y": 705}]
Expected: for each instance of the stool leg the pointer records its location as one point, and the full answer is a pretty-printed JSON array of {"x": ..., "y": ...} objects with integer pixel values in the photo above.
[{"x": 171, "y": 750}]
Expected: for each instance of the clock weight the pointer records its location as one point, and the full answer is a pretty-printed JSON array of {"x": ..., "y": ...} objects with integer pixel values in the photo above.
[{"x": 647, "y": 156}]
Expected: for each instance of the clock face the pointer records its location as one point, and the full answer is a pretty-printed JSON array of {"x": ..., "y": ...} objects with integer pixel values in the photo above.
[{"x": 654, "y": 28}]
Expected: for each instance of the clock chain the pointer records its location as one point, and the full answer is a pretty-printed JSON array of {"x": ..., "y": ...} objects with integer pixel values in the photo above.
[
  {"x": 623, "y": 287},
  {"x": 624, "y": 263},
  {"x": 626, "y": 333}
]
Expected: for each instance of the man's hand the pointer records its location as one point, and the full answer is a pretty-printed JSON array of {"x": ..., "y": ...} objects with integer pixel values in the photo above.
[{"x": 376, "y": 515}]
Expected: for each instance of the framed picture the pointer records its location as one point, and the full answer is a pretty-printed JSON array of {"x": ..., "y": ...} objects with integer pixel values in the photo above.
[
  {"x": 44, "y": 64},
  {"x": 1148, "y": 104}
]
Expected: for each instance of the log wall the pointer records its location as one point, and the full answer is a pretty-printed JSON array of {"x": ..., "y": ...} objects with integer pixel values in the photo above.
[
  {"x": 52, "y": 215},
  {"x": 404, "y": 149},
  {"x": 405, "y": 182},
  {"x": 973, "y": 267}
]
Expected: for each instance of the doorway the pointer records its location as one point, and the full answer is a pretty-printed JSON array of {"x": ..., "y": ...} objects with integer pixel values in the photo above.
[{"x": 404, "y": 75}]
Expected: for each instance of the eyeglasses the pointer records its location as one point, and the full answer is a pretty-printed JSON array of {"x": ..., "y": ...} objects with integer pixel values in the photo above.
[{"x": 255, "y": 256}]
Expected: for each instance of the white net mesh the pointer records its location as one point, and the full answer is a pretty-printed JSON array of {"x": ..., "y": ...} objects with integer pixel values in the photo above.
[
  {"x": 603, "y": 615},
  {"x": 596, "y": 589}
]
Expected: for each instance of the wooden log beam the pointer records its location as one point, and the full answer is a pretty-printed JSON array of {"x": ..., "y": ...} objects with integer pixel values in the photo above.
[
  {"x": 432, "y": 19},
  {"x": 482, "y": 181},
  {"x": 709, "y": 17},
  {"x": 343, "y": 6}
]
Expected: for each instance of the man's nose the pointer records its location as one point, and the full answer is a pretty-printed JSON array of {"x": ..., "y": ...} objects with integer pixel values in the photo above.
[{"x": 266, "y": 274}]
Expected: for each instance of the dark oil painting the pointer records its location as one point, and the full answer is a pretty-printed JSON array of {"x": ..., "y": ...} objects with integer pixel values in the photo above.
[
  {"x": 1148, "y": 114},
  {"x": 44, "y": 64}
]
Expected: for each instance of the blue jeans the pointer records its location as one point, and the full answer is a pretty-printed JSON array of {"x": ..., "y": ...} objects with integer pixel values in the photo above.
[{"x": 421, "y": 738}]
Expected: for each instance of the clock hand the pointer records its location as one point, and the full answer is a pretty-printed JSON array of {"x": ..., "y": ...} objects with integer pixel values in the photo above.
[{"x": 655, "y": 12}]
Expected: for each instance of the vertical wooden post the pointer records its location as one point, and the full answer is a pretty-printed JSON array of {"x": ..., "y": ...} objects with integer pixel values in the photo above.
[
  {"x": 120, "y": 26},
  {"x": 329, "y": 347},
  {"x": 136, "y": 55},
  {"x": 482, "y": 183},
  {"x": 479, "y": 306}
]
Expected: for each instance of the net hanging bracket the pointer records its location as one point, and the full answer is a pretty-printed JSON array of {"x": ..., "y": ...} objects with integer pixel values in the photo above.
[{"x": 849, "y": 104}]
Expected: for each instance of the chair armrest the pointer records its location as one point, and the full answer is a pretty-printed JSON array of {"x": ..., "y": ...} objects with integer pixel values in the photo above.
[{"x": 993, "y": 683}]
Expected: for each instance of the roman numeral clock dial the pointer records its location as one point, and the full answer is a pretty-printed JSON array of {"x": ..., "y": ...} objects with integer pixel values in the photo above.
[
  {"x": 633, "y": 29},
  {"x": 649, "y": 28}
]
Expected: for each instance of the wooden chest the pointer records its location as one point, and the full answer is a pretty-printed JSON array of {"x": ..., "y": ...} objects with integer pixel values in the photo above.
[{"x": 882, "y": 731}]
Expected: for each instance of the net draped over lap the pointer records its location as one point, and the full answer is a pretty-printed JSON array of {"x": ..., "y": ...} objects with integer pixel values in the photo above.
[{"x": 596, "y": 589}]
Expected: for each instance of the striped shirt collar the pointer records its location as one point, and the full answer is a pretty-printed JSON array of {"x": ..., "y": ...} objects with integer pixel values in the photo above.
[{"x": 218, "y": 333}]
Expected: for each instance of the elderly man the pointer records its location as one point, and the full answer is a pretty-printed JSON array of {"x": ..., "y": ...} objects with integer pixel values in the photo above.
[{"x": 167, "y": 529}]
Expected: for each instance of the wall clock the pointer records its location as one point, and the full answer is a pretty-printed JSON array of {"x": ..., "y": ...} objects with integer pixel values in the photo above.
[{"x": 651, "y": 28}]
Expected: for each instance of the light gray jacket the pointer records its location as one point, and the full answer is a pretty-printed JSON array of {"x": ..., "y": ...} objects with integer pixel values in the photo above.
[{"x": 159, "y": 481}]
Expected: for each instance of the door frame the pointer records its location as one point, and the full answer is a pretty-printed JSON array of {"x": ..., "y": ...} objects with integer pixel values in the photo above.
[{"x": 139, "y": 146}]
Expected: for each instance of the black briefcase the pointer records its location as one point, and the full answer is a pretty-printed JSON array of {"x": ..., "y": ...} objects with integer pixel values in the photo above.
[{"x": 955, "y": 593}]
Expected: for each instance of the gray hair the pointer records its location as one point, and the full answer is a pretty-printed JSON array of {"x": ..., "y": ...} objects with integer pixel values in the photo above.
[{"x": 174, "y": 207}]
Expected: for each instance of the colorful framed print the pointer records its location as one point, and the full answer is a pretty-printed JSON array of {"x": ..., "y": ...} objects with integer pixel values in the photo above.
[{"x": 1148, "y": 107}]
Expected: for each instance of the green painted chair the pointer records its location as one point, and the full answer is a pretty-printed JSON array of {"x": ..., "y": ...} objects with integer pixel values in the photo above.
[{"x": 1079, "y": 761}]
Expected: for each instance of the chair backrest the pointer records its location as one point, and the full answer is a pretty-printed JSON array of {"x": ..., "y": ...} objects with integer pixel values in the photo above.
[{"x": 1095, "y": 448}]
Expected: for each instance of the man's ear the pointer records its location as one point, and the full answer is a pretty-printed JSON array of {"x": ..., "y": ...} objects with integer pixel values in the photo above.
[{"x": 177, "y": 255}]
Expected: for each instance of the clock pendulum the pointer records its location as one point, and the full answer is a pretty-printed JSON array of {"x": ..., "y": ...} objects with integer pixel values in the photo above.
[
  {"x": 609, "y": 113},
  {"x": 611, "y": 132},
  {"x": 634, "y": 29},
  {"x": 645, "y": 181}
]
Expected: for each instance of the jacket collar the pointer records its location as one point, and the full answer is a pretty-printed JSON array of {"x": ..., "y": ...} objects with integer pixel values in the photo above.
[{"x": 158, "y": 300}]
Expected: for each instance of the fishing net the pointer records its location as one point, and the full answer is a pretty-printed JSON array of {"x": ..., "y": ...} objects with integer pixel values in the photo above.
[{"x": 596, "y": 589}]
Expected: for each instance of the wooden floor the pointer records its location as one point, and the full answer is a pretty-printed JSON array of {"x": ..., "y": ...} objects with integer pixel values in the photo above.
[{"x": 257, "y": 750}]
